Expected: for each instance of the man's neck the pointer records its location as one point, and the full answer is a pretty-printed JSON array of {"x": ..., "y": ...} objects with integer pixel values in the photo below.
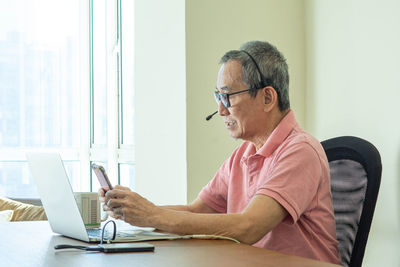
[{"x": 276, "y": 118}]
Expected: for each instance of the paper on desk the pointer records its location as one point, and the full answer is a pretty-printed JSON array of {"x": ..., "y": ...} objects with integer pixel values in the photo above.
[
  {"x": 131, "y": 233},
  {"x": 122, "y": 225}
]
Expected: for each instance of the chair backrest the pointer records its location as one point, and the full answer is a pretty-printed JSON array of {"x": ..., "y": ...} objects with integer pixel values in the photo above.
[{"x": 355, "y": 168}]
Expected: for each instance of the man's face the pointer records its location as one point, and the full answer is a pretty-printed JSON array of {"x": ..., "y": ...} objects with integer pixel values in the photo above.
[{"x": 244, "y": 116}]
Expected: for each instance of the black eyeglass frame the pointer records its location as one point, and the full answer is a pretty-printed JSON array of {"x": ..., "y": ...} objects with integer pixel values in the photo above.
[{"x": 224, "y": 97}]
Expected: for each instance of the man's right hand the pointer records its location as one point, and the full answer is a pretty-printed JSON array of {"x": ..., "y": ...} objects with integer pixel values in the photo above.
[{"x": 102, "y": 192}]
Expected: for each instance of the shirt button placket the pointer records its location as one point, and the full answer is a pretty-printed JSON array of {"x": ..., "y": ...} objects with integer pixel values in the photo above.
[{"x": 252, "y": 174}]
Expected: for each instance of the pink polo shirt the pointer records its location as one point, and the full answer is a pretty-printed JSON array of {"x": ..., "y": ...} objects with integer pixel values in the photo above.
[{"x": 292, "y": 168}]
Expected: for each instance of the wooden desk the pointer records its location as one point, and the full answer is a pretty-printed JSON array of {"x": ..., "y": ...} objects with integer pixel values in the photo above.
[{"x": 32, "y": 244}]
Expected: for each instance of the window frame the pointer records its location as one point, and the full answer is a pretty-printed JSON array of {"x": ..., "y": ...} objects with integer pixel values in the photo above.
[{"x": 114, "y": 153}]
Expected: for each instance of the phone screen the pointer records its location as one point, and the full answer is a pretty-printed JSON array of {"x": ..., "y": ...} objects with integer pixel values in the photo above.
[{"x": 102, "y": 176}]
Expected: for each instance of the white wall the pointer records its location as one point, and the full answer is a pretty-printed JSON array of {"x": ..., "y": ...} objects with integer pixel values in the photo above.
[
  {"x": 353, "y": 82},
  {"x": 160, "y": 100},
  {"x": 213, "y": 28}
]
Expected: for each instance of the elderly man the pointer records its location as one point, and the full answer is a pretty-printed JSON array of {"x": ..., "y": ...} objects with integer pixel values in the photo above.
[{"x": 273, "y": 191}]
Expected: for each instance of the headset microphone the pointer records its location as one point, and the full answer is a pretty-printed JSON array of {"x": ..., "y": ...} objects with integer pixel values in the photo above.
[{"x": 210, "y": 116}]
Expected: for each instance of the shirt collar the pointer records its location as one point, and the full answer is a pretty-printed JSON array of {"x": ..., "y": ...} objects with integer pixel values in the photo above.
[
  {"x": 250, "y": 150},
  {"x": 279, "y": 134}
]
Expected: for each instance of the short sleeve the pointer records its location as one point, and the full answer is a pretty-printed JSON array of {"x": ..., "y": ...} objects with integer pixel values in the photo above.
[
  {"x": 215, "y": 193},
  {"x": 294, "y": 179}
]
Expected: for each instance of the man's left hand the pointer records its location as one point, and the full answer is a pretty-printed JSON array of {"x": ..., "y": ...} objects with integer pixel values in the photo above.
[{"x": 129, "y": 206}]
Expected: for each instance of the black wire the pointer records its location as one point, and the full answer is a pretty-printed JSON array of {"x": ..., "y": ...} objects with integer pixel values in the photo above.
[
  {"x": 114, "y": 232},
  {"x": 92, "y": 248},
  {"x": 88, "y": 248},
  {"x": 69, "y": 246}
]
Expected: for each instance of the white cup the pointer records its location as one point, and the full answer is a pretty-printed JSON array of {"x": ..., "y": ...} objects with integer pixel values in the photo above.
[{"x": 89, "y": 207}]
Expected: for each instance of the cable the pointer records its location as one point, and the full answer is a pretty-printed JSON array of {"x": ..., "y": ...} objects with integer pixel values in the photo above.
[
  {"x": 104, "y": 227},
  {"x": 87, "y": 248},
  {"x": 99, "y": 248},
  {"x": 212, "y": 237}
]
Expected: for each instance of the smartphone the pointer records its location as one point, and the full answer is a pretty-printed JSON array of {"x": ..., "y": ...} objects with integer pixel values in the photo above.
[{"x": 102, "y": 176}]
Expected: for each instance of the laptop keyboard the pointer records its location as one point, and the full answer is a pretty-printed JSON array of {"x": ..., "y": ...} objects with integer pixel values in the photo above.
[{"x": 96, "y": 233}]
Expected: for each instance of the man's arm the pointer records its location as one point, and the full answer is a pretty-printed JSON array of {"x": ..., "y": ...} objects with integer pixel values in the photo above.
[
  {"x": 261, "y": 215},
  {"x": 197, "y": 206}
]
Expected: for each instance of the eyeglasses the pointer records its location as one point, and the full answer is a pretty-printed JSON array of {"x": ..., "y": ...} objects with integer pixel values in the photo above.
[{"x": 224, "y": 97}]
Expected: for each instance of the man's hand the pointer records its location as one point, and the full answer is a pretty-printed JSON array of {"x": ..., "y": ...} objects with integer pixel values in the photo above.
[
  {"x": 102, "y": 197},
  {"x": 103, "y": 190},
  {"x": 101, "y": 193},
  {"x": 121, "y": 203}
]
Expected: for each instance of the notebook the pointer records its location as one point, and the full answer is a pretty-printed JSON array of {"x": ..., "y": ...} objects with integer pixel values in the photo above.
[{"x": 62, "y": 210}]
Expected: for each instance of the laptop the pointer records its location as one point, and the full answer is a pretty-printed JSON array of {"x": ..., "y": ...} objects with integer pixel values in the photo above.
[{"x": 62, "y": 210}]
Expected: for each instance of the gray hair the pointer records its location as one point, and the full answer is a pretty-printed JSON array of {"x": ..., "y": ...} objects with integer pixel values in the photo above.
[{"x": 272, "y": 65}]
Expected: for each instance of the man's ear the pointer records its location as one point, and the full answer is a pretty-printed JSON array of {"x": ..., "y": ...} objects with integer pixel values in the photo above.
[
  {"x": 267, "y": 97},
  {"x": 270, "y": 98}
]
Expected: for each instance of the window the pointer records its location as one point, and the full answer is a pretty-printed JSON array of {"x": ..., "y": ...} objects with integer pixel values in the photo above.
[{"x": 66, "y": 88}]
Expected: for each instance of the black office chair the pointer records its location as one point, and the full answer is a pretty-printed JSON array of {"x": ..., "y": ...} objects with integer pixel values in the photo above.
[{"x": 355, "y": 168}]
